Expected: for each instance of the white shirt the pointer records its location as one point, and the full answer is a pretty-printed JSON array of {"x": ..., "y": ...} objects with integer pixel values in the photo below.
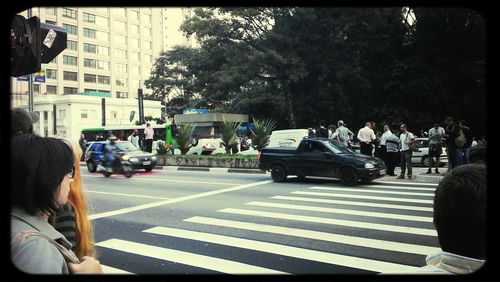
[
  {"x": 383, "y": 139},
  {"x": 405, "y": 137},
  {"x": 435, "y": 135},
  {"x": 134, "y": 140},
  {"x": 149, "y": 132},
  {"x": 366, "y": 134}
]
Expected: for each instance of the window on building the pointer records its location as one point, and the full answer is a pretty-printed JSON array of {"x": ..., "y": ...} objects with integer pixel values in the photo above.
[
  {"x": 89, "y": 18},
  {"x": 135, "y": 56},
  {"x": 101, "y": 21},
  {"x": 147, "y": 31},
  {"x": 103, "y": 50},
  {"x": 102, "y": 79},
  {"x": 69, "y": 13},
  {"x": 122, "y": 54},
  {"x": 134, "y": 15},
  {"x": 135, "y": 42},
  {"x": 121, "y": 68},
  {"x": 61, "y": 114},
  {"x": 95, "y": 64},
  {"x": 118, "y": 12},
  {"x": 121, "y": 82},
  {"x": 147, "y": 58},
  {"x": 51, "y": 74},
  {"x": 89, "y": 90},
  {"x": 50, "y": 22},
  {"x": 90, "y": 78},
  {"x": 50, "y": 11},
  {"x": 36, "y": 88},
  {"x": 70, "y": 60},
  {"x": 70, "y": 29},
  {"x": 84, "y": 113},
  {"x": 70, "y": 90},
  {"x": 102, "y": 36},
  {"x": 120, "y": 40},
  {"x": 134, "y": 29},
  {"x": 90, "y": 33},
  {"x": 89, "y": 48},
  {"x": 51, "y": 89},
  {"x": 71, "y": 76},
  {"x": 119, "y": 25},
  {"x": 72, "y": 45}
]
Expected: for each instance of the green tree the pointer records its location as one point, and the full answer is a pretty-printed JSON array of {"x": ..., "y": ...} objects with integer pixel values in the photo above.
[
  {"x": 262, "y": 133},
  {"x": 185, "y": 133},
  {"x": 228, "y": 136}
]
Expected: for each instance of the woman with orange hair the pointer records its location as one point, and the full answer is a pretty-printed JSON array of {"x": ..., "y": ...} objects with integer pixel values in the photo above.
[{"x": 72, "y": 220}]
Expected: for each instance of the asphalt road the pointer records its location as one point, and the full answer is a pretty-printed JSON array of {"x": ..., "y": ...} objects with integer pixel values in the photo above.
[{"x": 184, "y": 222}]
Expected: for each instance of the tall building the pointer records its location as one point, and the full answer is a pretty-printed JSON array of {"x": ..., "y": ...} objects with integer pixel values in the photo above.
[{"x": 109, "y": 50}]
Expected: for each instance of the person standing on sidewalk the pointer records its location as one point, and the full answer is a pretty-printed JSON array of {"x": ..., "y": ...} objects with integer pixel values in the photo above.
[
  {"x": 406, "y": 138},
  {"x": 435, "y": 146},
  {"x": 391, "y": 155},
  {"x": 383, "y": 140},
  {"x": 452, "y": 132},
  {"x": 148, "y": 137},
  {"x": 366, "y": 136}
]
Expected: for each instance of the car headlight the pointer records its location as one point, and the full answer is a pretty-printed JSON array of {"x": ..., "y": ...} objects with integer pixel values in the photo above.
[
  {"x": 153, "y": 158},
  {"x": 134, "y": 160},
  {"x": 126, "y": 157},
  {"x": 369, "y": 166}
]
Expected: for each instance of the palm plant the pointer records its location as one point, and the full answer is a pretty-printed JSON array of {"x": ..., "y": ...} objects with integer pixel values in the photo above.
[
  {"x": 228, "y": 136},
  {"x": 184, "y": 137},
  {"x": 262, "y": 132}
]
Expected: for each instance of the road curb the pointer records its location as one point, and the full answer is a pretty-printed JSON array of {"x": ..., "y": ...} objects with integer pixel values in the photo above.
[{"x": 205, "y": 169}]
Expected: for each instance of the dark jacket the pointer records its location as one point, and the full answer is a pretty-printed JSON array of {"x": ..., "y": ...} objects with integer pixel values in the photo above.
[{"x": 468, "y": 135}]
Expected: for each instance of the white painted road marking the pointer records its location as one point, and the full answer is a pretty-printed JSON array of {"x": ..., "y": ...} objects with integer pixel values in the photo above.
[
  {"x": 372, "y": 191},
  {"x": 343, "y": 211},
  {"x": 316, "y": 235},
  {"x": 390, "y": 199},
  {"x": 206, "y": 262},
  {"x": 319, "y": 256},
  {"x": 352, "y": 203},
  {"x": 176, "y": 200},
  {"x": 356, "y": 224},
  {"x": 125, "y": 195}
]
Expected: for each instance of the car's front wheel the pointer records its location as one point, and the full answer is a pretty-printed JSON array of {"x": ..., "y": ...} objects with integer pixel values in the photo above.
[
  {"x": 91, "y": 166},
  {"x": 278, "y": 173},
  {"x": 148, "y": 168},
  {"x": 348, "y": 176}
]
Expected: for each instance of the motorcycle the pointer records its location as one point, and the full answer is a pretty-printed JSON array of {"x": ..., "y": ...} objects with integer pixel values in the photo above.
[{"x": 119, "y": 166}]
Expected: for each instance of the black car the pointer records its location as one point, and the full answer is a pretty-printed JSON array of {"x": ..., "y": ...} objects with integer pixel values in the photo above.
[
  {"x": 320, "y": 157},
  {"x": 126, "y": 151}
]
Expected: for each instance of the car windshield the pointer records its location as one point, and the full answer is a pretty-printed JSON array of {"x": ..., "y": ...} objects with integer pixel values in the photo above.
[
  {"x": 338, "y": 147},
  {"x": 126, "y": 146}
]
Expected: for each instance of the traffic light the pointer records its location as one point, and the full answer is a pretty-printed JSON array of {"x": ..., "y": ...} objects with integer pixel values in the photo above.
[
  {"x": 25, "y": 45},
  {"x": 34, "y": 43}
]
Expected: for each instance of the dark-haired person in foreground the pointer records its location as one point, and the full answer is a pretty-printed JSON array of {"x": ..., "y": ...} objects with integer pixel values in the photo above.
[
  {"x": 460, "y": 221},
  {"x": 41, "y": 172}
]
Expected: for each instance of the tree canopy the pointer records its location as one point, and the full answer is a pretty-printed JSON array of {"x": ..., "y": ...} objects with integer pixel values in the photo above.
[{"x": 302, "y": 65}]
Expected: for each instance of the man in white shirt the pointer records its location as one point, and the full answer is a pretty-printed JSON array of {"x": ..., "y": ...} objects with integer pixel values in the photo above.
[
  {"x": 366, "y": 136},
  {"x": 435, "y": 145},
  {"x": 148, "y": 137},
  {"x": 406, "y": 138},
  {"x": 383, "y": 139}
]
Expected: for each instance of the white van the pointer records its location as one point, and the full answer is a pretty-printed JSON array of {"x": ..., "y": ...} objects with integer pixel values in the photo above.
[{"x": 287, "y": 138}]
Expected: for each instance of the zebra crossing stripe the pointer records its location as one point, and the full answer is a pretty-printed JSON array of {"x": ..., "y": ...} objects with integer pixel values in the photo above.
[
  {"x": 405, "y": 183},
  {"x": 339, "y": 195},
  {"x": 205, "y": 262},
  {"x": 398, "y": 187},
  {"x": 343, "y": 211},
  {"x": 316, "y": 235},
  {"x": 306, "y": 254},
  {"x": 356, "y": 190},
  {"x": 332, "y": 221},
  {"x": 352, "y": 203}
]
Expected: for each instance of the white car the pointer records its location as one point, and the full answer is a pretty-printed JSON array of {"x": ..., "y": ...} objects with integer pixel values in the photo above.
[
  {"x": 207, "y": 146},
  {"x": 422, "y": 156}
]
